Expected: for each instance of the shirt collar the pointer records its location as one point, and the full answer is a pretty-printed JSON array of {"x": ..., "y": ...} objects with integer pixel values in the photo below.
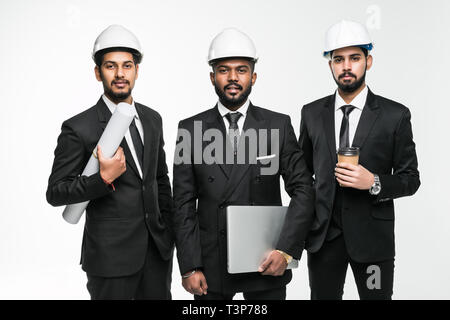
[
  {"x": 112, "y": 106},
  {"x": 224, "y": 110},
  {"x": 359, "y": 101}
]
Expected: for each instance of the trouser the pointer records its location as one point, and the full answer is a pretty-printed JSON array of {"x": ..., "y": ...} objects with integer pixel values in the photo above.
[
  {"x": 328, "y": 268},
  {"x": 272, "y": 294},
  {"x": 153, "y": 281}
]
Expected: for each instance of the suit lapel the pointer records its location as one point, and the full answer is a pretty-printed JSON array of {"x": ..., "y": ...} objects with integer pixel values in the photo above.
[
  {"x": 215, "y": 121},
  {"x": 253, "y": 120},
  {"x": 329, "y": 127},
  {"x": 367, "y": 120},
  {"x": 104, "y": 115}
]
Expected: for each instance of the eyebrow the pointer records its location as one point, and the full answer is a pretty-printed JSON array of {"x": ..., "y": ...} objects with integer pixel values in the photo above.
[
  {"x": 352, "y": 55},
  {"x": 114, "y": 62},
  {"x": 240, "y": 66}
]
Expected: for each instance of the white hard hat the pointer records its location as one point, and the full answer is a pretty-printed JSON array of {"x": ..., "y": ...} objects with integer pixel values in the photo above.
[
  {"x": 347, "y": 34},
  {"x": 116, "y": 36},
  {"x": 232, "y": 43}
]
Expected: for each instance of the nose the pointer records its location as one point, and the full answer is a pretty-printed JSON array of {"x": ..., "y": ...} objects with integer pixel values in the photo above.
[
  {"x": 347, "y": 65},
  {"x": 233, "y": 76},
  {"x": 119, "y": 72}
]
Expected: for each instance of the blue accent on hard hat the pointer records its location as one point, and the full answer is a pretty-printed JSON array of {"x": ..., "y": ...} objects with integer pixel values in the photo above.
[{"x": 368, "y": 47}]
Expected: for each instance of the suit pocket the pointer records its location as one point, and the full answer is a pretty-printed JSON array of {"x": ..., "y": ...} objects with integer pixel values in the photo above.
[
  {"x": 383, "y": 211},
  {"x": 107, "y": 232}
]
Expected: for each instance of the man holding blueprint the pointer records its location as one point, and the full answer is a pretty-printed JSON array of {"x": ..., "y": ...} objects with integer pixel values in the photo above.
[
  {"x": 234, "y": 155},
  {"x": 127, "y": 245}
]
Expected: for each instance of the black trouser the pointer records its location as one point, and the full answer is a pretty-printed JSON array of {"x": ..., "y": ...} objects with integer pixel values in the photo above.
[
  {"x": 328, "y": 268},
  {"x": 272, "y": 294},
  {"x": 153, "y": 281}
]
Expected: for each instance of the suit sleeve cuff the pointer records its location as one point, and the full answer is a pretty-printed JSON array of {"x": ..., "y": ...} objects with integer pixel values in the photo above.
[
  {"x": 97, "y": 187},
  {"x": 186, "y": 269},
  {"x": 385, "y": 194}
]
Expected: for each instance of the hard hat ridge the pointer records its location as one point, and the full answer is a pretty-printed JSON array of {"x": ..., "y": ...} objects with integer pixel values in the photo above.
[
  {"x": 229, "y": 43},
  {"x": 347, "y": 33},
  {"x": 116, "y": 36}
]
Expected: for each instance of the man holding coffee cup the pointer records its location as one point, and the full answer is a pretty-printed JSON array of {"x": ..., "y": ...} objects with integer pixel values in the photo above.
[{"x": 375, "y": 163}]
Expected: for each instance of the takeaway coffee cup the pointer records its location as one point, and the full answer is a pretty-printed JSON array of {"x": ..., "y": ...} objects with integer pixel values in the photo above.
[{"x": 348, "y": 155}]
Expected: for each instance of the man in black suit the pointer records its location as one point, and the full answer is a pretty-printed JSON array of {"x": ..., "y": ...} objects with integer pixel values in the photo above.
[
  {"x": 354, "y": 222},
  {"x": 204, "y": 188},
  {"x": 127, "y": 245}
]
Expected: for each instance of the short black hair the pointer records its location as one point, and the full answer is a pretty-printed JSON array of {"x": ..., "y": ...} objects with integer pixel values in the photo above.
[
  {"x": 214, "y": 63},
  {"x": 98, "y": 57},
  {"x": 364, "y": 50}
]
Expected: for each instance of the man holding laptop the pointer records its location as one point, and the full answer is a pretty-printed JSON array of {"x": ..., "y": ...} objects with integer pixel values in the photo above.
[{"x": 233, "y": 155}]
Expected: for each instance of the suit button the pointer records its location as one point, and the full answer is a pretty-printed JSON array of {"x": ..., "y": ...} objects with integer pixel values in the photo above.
[
  {"x": 221, "y": 207},
  {"x": 146, "y": 216},
  {"x": 143, "y": 188},
  {"x": 211, "y": 178},
  {"x": 258, "y": 178},
  {"x": 222, "y": 233}
]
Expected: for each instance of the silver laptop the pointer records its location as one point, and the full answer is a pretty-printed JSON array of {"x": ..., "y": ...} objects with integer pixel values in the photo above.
[{"x": 252, "y": 233}]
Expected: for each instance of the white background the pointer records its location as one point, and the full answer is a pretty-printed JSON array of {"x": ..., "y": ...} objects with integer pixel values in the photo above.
[{"x": 47, "y": 76}]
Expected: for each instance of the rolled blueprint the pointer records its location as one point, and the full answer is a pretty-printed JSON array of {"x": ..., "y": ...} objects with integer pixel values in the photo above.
[{"x": 109, "y": 142}]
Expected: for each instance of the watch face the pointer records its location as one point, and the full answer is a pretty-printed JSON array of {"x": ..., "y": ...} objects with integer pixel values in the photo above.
[{"x": 376, "y": 189}]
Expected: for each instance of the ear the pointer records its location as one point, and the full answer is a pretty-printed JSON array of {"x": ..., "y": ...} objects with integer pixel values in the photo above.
[
  {"x": 331, "y": 69},
  {"x": 369, "y": 62},
  {"x": 97, "y": 73},
  {"x": 137, "y": 72},
  {"x": 254, "y": 76},
  {"x": 212, "y": 78}
]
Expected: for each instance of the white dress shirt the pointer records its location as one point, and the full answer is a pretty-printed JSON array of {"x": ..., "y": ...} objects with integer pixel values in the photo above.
[
  {"x": 112, "y": 107},
  {"x": 243, "y": 110},
  {"x": 358, "y": 102}
]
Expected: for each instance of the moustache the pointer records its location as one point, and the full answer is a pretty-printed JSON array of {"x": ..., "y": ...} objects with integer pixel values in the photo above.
[
  {"x": 346, "y": 74},
  {"x": 120, "y": 80},
  {"x": 237, "y": 86}
]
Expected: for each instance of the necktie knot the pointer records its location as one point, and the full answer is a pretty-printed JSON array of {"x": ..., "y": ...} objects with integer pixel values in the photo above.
[
  {"x": 347, "y": 109},
  {"x": 233, "y": 119}
]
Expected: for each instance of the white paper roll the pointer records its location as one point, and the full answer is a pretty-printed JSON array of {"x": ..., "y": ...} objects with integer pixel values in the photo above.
[{"x": 109, "y": 142}]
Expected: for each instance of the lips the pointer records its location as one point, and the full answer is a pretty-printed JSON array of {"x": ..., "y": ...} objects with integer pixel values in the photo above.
[
  {"x": 120, "y": 84},
  {"x": 233, "y": 89},
  {"x": 347, "y": 76}
]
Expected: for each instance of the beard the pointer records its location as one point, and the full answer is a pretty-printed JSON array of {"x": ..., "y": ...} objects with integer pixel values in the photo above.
[
  {"x": 117, "y": 96},
  {"x": 236, "y": 100},
  {"x": 351, "y": 87}
]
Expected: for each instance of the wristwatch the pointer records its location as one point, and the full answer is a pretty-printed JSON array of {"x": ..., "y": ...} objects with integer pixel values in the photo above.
[
  {"x": 376, "y": 187},
  {"x": 287, "y": 257}
]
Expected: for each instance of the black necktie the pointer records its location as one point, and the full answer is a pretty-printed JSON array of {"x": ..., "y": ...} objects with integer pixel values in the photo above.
[
  {"x": 137, "y": 142},
  {"x": 234, "y": 129},
  {"x": 344, "y": 139}
]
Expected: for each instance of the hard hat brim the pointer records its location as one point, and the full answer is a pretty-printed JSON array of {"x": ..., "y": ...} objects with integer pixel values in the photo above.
[
  {"x": 214, "y": 61},
  {"x": 133, "y": 51},
  {"x": 368, "y": 47}
]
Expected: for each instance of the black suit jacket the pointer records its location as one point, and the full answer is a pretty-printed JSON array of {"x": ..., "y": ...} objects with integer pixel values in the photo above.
[
  {"x": 118, "y": 223},
  {"x": 203, "y": 191},
  {"x": 385, "y": 139}
]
